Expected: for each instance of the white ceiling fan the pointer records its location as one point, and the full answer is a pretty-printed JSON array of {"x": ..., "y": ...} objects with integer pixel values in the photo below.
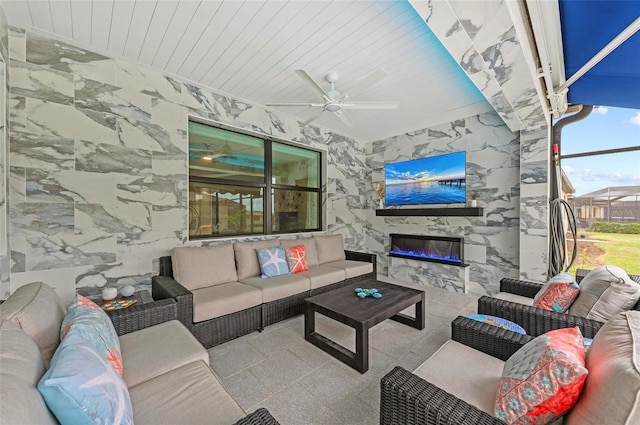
[{"x": 336, "y": 102}]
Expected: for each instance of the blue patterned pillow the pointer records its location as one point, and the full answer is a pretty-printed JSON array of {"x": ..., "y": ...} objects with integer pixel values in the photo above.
[
  {"x": 91, "y": 322},
  {"x": 273, "y": 261},
  {"x": 81, "y": 388}
]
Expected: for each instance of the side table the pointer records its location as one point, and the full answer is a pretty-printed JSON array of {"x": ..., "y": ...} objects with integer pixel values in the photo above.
[
  {"x": 142, "y": 297},
  {"x": 143, "y": 314}
]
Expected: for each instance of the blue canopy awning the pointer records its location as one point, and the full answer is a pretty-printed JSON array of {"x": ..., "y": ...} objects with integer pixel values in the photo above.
[{"x": 587, "y": 27}]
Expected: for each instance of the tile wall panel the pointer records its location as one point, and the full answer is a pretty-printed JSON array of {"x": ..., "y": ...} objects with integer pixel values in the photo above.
[
  {"x": 482, "y": 38},
  {"x": 98, "y": 183},
  {"x": 492, "y": 171},
  {"x": 5, "y": 259}
]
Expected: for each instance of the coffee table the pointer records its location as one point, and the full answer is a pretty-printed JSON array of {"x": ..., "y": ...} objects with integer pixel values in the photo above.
[{"x": 343, "y": 305}]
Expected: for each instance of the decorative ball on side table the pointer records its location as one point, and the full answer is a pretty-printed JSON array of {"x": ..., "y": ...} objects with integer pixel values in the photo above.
[
  {"x": 109, "y": 293},
  {"x": 127, "y": 291}
]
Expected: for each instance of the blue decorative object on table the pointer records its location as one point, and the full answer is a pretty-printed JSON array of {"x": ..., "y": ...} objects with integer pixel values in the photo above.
[{"x": 363, "y": 293}]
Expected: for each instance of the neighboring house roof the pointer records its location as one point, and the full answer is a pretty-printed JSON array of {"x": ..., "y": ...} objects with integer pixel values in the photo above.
[{"x": 613, "y": 193}]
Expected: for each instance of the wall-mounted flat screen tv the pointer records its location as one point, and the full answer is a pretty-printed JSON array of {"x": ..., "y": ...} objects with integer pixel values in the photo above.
[{"x": 437, "y": 179}]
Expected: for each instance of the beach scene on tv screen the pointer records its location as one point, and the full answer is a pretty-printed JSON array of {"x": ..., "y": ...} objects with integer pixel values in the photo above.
[{"x": 437, "y": 179}]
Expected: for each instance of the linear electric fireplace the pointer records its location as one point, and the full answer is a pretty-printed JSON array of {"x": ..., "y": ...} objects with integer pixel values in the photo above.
[{"x": 438, "y": 249}]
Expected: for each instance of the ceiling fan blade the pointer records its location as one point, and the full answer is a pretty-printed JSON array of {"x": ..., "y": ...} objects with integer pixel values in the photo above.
[
  {"x": 313, "y": 118},
  {"x": 315, "y": 86},
  {"x": 369, "y": 105},
  {"x": 344, "y": 118},
  {"x": 295, "y": 104},
  {"x": 368, "y": 81}
]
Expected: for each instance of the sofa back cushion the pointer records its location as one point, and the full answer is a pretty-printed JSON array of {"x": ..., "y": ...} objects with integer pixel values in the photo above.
[
  {"x": 309, "y": 248},
  {"x": 38, "y": 311},
  {"x": 247, "y": 259},
  {"x": 604, "y": 292},
  {"x": 200, "y": 267},
  {"x": 330, "y": 248},
  {"x": 21, "y": 367},
  {"x": 611, "y": 393}
]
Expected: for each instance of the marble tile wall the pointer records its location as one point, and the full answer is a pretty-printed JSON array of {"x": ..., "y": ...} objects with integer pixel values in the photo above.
[
  {"x": 4, "y": 89},
  {"x": 97, "y": 176},
  {"x": 493, "y": 170},
  {"x": 482, "y": 38},
  {"x": 534, "y": 203},
  {"x": 98, "y": 165}
]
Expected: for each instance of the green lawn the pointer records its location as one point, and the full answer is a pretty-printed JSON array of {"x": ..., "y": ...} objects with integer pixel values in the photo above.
[{"x": 620, "y": 250}]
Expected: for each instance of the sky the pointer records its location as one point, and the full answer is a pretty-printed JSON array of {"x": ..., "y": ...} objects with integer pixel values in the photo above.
[{"x": 604, "y": 128}]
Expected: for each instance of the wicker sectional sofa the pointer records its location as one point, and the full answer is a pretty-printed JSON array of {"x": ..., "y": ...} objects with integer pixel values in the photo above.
[
  {"x": 221, "y": 296},
  {"x": 165, "y": 370}
]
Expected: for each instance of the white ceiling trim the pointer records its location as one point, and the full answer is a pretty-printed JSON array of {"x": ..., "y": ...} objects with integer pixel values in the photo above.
[{"x": 544, "y": 17}]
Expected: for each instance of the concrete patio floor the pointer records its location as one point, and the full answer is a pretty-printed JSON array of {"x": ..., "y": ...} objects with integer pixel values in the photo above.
[{"x": 302, "y": 385}]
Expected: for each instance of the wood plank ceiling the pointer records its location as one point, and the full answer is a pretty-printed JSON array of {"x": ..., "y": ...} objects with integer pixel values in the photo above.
[{"x": 250, "y": 49}]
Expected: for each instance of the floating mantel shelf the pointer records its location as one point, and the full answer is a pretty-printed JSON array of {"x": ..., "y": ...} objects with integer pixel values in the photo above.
[{"x": 432, "y": 212}]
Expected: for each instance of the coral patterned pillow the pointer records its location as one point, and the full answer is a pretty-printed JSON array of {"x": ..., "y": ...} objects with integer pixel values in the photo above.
[
  {"x": 543, "y": 379},
  {"x": 93, "y": 324},
  {"x": 558, "y": 293},
  {"x": 296, "y": 258}
]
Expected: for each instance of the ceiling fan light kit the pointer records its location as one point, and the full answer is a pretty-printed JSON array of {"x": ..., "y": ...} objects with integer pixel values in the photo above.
[
  {"x": 334, "y": 101},
  {"x": 332, "y": 107}
]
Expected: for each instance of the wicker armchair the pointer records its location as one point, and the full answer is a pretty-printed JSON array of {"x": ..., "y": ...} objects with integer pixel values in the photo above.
[
  {"x": 536, "y": 321},
  {"x": 259, "y": 417},
  {"x": 407, "y": 399}
]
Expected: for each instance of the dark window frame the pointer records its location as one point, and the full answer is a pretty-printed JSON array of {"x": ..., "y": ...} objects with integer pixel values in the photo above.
[{"x": 267, "y": 186}]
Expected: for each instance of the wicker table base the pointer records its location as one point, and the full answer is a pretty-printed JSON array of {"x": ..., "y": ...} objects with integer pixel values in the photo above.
[{"x": 344, "y": 306}]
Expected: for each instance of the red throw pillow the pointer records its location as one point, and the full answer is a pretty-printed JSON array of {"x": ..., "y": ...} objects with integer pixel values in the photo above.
[
  {"x": 296, "y": 258},
  {"x": 543, "y": 379},
  {"x": 558, "y": 294}
]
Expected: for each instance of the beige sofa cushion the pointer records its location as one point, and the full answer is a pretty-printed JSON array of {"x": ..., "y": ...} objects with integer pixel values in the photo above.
[
  {"x": 514, "y": 298},
  {"x": 455, "y": 369},
  {"x": 330, "y": 248},
  {"x": 309, "y": 248},
  {"x": 216, "y": 301},
  {"x": 199, "y": 267},
  {"x": 352, "y": 268},
  {"x": 246, "y": 258},
  {"x": 38, "y": 311},
  {"x": 322, "y": 276},
  {"x": 275, "y": 288},
  {"x": 21, "y": 367},
  {"x": 604, "y": 292},
  {"x": 155, "y": 350},
  {"x": 611, "y": 393},
  {"x": 189, "y": 395}
]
